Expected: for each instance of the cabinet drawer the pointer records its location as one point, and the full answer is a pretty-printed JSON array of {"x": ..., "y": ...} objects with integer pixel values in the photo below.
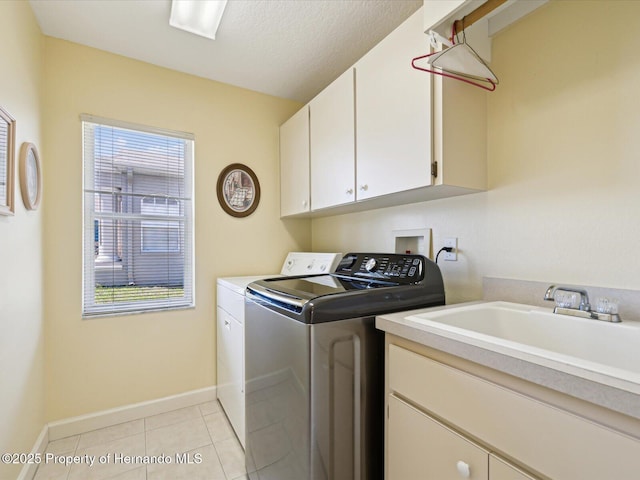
[
  {"x": 422, "y": 448},
  {"x": 554, "y": 442},
  {"x": 232, "y": 302}
]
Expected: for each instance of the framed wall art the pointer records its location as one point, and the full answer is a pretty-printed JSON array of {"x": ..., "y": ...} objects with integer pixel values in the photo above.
[
  {"x": 30, "y": 176},
  {"x": 238, "y": 190},
  {"x": 7, "y": 162}
]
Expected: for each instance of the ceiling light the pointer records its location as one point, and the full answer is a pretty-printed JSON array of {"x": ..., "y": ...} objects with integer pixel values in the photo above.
[{"x": 200, "y": 17}]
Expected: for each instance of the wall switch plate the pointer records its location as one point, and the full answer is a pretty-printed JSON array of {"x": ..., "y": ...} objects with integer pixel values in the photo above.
[{"x": 451, "y": 256}]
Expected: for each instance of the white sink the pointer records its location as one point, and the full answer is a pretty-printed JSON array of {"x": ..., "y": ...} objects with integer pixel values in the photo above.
[{"x": 554, "y": 340}]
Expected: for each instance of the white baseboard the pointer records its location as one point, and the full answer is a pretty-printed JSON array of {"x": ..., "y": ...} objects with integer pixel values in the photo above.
[
  {"x": 106, "y": 418},
  {"x": 29, "y": 469}
]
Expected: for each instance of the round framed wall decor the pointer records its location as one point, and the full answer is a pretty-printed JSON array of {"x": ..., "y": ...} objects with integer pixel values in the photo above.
[
  {"x": 30, "y": 176},
  {"x": 238, "y": 190}
]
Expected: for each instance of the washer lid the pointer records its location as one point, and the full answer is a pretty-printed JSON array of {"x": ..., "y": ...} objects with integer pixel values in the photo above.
[{"x": 314, "y": 286}]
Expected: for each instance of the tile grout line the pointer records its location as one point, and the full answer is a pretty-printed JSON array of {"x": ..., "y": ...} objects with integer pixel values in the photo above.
[
  {"x": 212, "y": 442},
  {"x": 233, "y": 436},
  {"x": 144, "y": 428}
]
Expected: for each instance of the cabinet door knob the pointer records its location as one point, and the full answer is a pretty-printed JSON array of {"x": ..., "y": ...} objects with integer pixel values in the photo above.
[
  {"x": 304, "y": 203},
  {"x": 463, "y": 469},
  {"x": 349, "y": 191},
  {"x": 364, "y": 187}
]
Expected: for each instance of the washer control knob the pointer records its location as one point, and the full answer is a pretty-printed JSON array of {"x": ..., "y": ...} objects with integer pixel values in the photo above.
[{"x": 371, "y": 265}]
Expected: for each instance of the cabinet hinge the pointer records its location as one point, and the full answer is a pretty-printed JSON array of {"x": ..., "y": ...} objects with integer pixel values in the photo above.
[{"x": 434, "y": 169}]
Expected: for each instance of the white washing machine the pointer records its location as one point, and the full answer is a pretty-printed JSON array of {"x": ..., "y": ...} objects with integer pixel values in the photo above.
[{"x": 230, "y": 328}]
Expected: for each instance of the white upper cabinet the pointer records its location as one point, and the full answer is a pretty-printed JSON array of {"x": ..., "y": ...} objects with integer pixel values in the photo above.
[
  {"x": 294, "y": 164},
  {"x": 332, "y": 139},
  {"x": 393, "y": 115},
  {"x": 459, "y": 137},
  {"x": 384, "y": 134}
]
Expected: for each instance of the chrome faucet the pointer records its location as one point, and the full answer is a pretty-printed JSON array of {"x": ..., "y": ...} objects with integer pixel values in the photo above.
[
  {"x": 550, "y": 295},
  {"x": 583, "y": 310}
]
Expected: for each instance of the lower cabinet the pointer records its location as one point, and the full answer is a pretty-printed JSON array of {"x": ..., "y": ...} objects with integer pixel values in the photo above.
[
  {"x": 420, "y": 447},
  {"x": 447, "y": 423}
]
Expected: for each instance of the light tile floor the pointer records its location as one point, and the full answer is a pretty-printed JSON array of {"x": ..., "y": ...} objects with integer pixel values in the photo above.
[{"x": 203, "y": 432}]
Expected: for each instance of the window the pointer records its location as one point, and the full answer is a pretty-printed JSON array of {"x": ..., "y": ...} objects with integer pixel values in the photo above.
[
  {"x": 138, "y": 218},
  {"x": 160, "y": 236}
]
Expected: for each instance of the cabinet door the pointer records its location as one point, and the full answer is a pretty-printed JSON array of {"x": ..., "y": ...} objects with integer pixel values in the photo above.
[
  {"x": 393, "y": 114},
  {"x": 294, "y": 164},
  {"x": 225, "y": 357},
  {"x": 230, "y": 370},
  {"x": 332, "y": 144},
  {"x": 421, "y": 448},
  {"x": 501, "y": 470}
]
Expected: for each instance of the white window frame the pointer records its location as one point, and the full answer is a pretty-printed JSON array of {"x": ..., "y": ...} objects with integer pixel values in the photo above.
[{"x": 90, "y": 308}]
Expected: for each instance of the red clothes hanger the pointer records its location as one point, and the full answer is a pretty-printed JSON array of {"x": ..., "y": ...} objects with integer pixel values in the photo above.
[{"x": 486, "y": 83}]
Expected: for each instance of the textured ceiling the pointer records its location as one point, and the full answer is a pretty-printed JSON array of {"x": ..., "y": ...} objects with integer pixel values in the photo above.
[{"x": 287, "y": 48}]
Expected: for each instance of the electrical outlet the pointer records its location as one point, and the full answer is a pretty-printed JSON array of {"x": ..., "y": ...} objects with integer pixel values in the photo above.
[{"x": 451, "y": 256}]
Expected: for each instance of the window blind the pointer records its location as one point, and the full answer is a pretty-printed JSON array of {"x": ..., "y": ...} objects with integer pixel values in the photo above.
[{"x": 138, "y": 218}]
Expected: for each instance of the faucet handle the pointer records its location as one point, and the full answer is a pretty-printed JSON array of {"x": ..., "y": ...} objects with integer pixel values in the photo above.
[
  {"x": 606, "y": 305},
  {"x": 552, "y": 293},
  {"x": 566, "y": 299}
]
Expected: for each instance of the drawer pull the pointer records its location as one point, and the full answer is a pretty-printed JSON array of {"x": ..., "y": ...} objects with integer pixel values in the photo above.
[{"x": 463, "y": 469}]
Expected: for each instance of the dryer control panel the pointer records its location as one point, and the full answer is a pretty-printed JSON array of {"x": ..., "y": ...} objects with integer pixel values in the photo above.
[{"x": 309, "y": 263}]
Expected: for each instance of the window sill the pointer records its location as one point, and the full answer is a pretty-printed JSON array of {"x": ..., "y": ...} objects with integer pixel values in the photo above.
[{"x": 95, "y": 315}]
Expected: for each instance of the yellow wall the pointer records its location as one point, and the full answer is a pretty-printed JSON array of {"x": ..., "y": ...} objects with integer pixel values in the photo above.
[
  {"x": 562, "y": 205},
  {"x": 564, "y": 161},
  {"x": 107, "y": 362},
  {"x": 21, "y": 269}
]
